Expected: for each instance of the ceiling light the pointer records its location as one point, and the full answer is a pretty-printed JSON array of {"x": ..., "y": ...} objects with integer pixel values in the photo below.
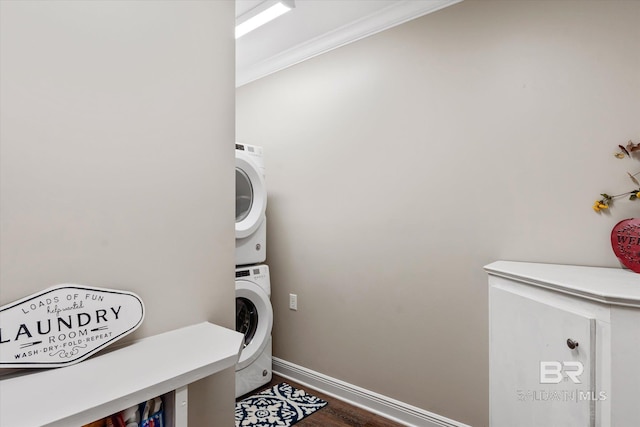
[{"x": 261, "y": 14}]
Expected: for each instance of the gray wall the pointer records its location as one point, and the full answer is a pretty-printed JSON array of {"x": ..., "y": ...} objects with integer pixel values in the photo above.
[
  {"x": 399, "y": 165},
  {"x": 117, "y": 160}
]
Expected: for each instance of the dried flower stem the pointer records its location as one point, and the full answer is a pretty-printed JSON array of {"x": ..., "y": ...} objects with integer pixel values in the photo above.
[{"x": 606, "y": 200}]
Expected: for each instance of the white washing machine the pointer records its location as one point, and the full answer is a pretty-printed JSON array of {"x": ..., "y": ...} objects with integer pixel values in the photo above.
[
  {"x": 254, "y": 319},
  {"x": 251, "y": 204}
]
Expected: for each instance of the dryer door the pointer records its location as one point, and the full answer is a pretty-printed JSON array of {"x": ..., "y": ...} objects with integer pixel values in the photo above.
[
  {"x": 251, "y": 196},
  {"x": 254, "y": 319}
]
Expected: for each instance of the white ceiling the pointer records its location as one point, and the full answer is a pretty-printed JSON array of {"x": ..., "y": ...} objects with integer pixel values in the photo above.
[{"x": 317, "y": 26}]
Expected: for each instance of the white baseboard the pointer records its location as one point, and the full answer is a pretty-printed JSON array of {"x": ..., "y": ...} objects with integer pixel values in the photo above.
[{"x": 373, "y": 402}]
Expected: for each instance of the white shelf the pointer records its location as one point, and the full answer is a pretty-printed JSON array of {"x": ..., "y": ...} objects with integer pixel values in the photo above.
[
  {"x": 607, "y": 285},
  {"x": 110, "y": 382}
]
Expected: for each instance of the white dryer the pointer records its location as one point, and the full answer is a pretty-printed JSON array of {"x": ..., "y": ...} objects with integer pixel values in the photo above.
[
  {"x": 251, "y": 204},
  {"x": 254, "y": 319}
]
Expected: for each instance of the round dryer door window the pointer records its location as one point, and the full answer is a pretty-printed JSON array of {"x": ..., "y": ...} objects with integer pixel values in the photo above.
[
  {"x": 254, "y": 319},
  {"x": 244, "y": 195},
  {"x": 251, "y": 196}
]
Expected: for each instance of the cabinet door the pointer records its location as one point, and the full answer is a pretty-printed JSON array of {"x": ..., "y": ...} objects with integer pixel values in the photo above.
[{"x": 536, "y": 379}]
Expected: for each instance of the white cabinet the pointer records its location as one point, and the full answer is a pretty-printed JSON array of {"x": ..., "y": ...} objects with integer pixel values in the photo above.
[
  {"x": 112, "y": 381},
  {"x": 564, "y": 345}
]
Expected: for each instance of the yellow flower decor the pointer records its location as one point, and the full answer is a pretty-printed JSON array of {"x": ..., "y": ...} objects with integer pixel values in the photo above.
[{"x": 628, "y": 151}]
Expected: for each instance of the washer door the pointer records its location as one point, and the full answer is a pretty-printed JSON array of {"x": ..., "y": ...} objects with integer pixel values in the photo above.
[
  {"x": 254, "y": 319},
  {"x": 251, "y": 196}
]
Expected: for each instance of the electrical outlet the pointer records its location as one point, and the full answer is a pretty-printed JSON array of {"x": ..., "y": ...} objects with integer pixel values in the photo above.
[{"x": 293, "y": 302}]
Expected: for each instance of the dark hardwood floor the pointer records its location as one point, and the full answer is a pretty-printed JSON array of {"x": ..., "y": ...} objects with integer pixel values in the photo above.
[{"x": 336, "y": 414}]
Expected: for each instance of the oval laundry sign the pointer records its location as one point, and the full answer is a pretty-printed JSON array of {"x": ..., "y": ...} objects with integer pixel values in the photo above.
[
  {"x": 65, "y": 324},
  {"x": 625, "y": 240}
]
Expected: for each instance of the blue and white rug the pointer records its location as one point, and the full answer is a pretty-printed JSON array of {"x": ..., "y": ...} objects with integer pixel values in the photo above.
[{"x": 281, "y": 405}]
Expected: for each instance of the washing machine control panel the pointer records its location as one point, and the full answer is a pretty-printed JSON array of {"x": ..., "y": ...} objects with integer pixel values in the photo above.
[
  {"x": 249, "y": 148},
  {"x": 250, "y": 271}
]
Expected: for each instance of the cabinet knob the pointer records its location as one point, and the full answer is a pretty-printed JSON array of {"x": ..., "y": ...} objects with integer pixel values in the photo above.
[{"x": 572, "y": 344}]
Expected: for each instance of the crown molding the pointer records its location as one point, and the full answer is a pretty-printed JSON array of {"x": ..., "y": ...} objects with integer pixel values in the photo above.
[{"x": 388, "y": 17}]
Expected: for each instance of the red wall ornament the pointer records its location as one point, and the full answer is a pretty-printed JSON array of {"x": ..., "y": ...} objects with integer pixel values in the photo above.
[{"x": 625, "y": 241}]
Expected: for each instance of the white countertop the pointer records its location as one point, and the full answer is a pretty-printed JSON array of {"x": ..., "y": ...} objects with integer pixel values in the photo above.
[
  {"x": 113, "y": 381},
  {"x": 608, "y": 285}
]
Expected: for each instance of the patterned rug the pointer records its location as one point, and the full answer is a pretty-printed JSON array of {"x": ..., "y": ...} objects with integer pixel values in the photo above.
[{"x": 280, "y": 406}]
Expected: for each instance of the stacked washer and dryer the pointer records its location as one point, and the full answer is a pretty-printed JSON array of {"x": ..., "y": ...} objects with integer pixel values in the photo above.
[{"x": 254, "y": 314}]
